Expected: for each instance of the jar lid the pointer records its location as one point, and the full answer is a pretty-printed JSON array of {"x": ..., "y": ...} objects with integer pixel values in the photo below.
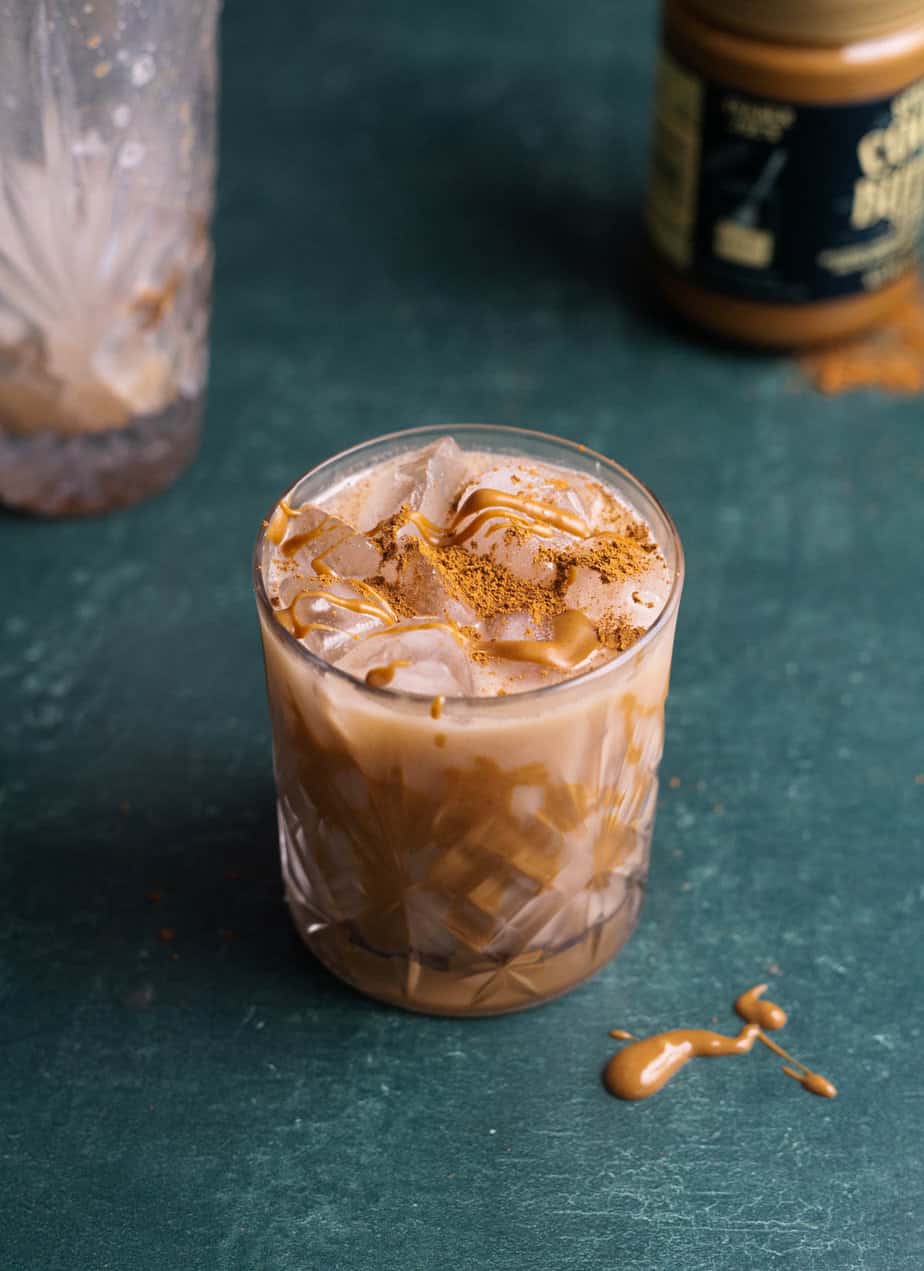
[{"x": 824, "y": 22}]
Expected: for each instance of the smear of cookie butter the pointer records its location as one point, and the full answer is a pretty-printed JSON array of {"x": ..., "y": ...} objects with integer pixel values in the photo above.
[{"x": 647, "y": 1064}]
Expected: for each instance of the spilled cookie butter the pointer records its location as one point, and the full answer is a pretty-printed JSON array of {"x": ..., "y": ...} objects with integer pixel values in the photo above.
[
  {"x": 647, "y": 1065},
  {"x": 643, "y": 1068},
  {"x": 752, "y": 1006},
  {"x": 441, "y": 851}
]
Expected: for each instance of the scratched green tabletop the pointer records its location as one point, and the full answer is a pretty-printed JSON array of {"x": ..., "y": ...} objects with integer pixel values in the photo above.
[{"x": 428, "y": 212}]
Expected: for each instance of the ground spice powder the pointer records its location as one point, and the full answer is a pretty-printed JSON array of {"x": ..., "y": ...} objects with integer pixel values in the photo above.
[
  {"x": 489, "y": 587},
  {"x": 890, "y": 357}
]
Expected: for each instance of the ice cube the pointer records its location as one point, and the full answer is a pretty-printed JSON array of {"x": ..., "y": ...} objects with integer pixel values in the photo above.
[
  {"x": 423, "y": 589},
  {"x": 316, "y": 542},
  {"x": 522, "y": 555},
  {"x": 426, "y": 481},
  {"x": 601, "y": 508},
  {"x": 329, "y": 616},
  {"x": 415, "y": 657},
  {"x": 639, "y": 599},
  {"x": 594, "y": 598},
  {"x": 517, "y": 626},
  {"x": 439, "y": 472},
  {"x": 512, "y": 512}
]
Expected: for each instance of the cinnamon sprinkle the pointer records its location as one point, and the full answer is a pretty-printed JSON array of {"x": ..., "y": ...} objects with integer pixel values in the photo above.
[
  {"x": 395, "y": 597},
  {"x": 615, "y": 557},
  {"x": 487, "y": 586},
  {"x": 890, "y": 357},
  {"x": 617, "y": 633}
]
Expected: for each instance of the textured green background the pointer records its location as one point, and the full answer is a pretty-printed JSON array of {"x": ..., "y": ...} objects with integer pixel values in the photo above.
[{"x": 427, "y": 213}]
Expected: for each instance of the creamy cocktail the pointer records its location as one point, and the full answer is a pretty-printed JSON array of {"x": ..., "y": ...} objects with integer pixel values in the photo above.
[{"x": 468, "y": 639}]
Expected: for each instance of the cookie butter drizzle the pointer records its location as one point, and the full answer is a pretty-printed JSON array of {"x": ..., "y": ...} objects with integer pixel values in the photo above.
[
  {"x": 574, "y": 639},
  {"x": 486, "y": 585},
  {"x": 382, "y": 676},
  {"x": 531, "y": 515},
  {"x": 645, "y": 1066}
]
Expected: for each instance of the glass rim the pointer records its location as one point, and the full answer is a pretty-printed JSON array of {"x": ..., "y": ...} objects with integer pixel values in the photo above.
[{"x": 385, "y": 695}]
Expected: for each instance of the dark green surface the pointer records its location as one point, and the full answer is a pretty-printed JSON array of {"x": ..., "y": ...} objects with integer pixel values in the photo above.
[{"x": 426, "y": 215}]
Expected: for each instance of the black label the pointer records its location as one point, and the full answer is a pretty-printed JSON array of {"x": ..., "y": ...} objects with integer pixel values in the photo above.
[{"x": 781, "y": 202}]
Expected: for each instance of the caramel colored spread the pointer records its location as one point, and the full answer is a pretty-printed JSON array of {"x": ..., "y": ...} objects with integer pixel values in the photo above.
[
  {"x": 490, "y": 505},
  {"x": 753, "y": 1007},
  {"x": 813, "y": 1082},
  {"x": 382, "y": 676},
  {"x": 642, "y": 1069},
  {"x": 645, "y": 1066},
  {"x": 573, "y": 641}
]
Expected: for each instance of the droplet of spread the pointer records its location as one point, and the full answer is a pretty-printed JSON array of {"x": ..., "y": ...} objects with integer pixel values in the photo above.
[
  {"x": 382, "y": 676},
  {"x": 814, "y": 1082},
  {"x": 755, "y": 1011}
]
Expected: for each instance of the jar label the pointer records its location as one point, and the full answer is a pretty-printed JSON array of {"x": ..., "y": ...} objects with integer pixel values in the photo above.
[{"x": 783, "y": 202}]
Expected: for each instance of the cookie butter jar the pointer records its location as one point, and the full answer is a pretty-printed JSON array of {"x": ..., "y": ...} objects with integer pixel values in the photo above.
[{"x": 786, "y": 198}]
